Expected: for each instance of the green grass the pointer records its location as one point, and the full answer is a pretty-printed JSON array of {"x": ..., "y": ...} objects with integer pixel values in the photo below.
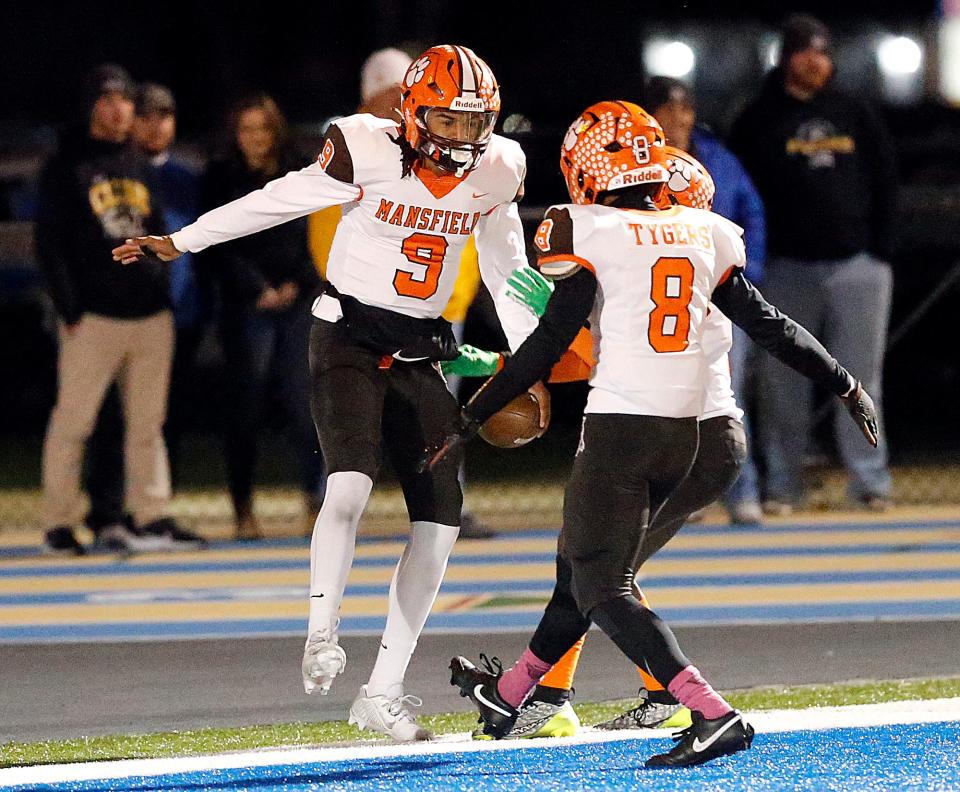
[{"x": 208, "y": 741}]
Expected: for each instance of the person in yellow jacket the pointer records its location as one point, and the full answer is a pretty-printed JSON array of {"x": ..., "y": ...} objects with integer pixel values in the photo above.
[{"x": 380, "y": 79}]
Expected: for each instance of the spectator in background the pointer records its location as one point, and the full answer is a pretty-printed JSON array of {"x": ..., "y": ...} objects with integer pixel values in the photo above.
[
  {"x": 154, "y": 131},
  {"x": 824, "y": 165},
  {"x": 115, "y": 322},
  {"x": 672, "y": 104},
  {"x": 267, "y": 283},
  {"x": 380, "y": 78}
]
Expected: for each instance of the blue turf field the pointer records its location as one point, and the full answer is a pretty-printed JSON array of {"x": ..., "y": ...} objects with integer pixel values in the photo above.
[{"x": 908, "y": 757}]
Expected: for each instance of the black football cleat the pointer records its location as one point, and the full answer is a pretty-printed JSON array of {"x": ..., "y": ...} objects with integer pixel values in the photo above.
[
  {"x": 480, "y": 686},
  {"x": 706, "y": 739}
]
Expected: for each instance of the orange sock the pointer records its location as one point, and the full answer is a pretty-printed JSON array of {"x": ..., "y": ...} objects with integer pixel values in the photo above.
[
  {"x": 641, "y": 596},
  {"x": 561, "y": 675},
  {"x": 648, "y": 681}
]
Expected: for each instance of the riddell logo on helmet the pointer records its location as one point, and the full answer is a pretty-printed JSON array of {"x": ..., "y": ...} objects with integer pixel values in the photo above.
[
  {"x": 470, "y": 105},
  {"x": 631, "y": 178}
]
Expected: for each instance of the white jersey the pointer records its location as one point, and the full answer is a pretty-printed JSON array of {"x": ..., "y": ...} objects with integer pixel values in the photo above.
[
  {"x": 399, "y": 242},
  {"x": 655, "y": 274},
  {"x": 717, "y": 339}
]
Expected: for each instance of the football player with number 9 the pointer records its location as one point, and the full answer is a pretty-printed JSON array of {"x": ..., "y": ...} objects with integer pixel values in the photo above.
[{"x": 413, "y": 191}]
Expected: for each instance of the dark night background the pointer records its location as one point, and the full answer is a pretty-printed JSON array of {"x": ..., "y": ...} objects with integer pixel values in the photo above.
[{"x": 551, "y": 60}]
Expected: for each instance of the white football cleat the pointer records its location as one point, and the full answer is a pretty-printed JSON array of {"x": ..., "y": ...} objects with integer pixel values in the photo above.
[
  {"x": 388, "y": 716},
  {"x": 323, "y": 659}
]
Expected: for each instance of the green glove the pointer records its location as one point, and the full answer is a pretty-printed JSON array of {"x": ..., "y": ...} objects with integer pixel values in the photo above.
[
  {"x": 528, "y": 287},
  {"x": 472, "y": 362}
]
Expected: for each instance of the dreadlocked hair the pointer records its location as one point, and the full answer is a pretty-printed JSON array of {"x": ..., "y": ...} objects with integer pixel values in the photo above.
[{"x": 408, "y": 155}]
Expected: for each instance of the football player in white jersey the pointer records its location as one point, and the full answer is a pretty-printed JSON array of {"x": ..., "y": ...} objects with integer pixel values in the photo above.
[
  {"x": 644, "y": 277},
  {"x": 546, "y": 712},
  {"x": 412, "y": 191}
]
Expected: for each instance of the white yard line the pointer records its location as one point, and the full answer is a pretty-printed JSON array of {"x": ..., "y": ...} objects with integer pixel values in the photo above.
[{"x": 931, "y": 711}]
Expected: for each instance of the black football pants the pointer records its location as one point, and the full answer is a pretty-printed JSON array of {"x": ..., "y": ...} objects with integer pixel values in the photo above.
[
  {"x": 721, "y": 451},
  {"x": 360, "y": 406}
]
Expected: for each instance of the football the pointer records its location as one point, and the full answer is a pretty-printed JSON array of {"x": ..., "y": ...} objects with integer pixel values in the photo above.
[{"x": 516, "y": 424}]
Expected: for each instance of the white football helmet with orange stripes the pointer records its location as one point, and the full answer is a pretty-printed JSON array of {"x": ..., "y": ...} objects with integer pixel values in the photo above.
[{"x": 450, "y": 103}]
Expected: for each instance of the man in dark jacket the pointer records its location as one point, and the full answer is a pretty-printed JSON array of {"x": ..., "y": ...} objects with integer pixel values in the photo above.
[
  {"x": 824, "y": 166},
  {"x": 115, "y": 322}
]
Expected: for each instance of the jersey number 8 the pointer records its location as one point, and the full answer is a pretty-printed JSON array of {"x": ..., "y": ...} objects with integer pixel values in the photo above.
[
  {"x": 671, "y": 289},
  {"x": 427, "y": 250}
]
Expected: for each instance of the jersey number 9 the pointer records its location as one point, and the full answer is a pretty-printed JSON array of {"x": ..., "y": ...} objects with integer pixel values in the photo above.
[{"x": 428, "y": 251}]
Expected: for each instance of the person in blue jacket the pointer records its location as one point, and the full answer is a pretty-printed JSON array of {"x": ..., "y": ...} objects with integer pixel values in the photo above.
[{"x": 672, "y": 104}]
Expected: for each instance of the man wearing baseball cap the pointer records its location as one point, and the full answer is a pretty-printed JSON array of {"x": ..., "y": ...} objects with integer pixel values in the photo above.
[
  {"x": 823, "y": 163},
  {"x": 114, "y": 322}
]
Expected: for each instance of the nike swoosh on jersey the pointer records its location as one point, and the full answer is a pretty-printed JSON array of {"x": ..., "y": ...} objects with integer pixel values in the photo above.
[
  {"x": 480, "y": 195},
  {"x": 699, "y": 747},
  {"x": 478, "y": 692},
  {"x": 403, "y": 359}
]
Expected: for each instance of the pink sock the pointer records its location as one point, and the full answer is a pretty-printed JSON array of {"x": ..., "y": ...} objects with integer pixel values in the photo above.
[
  {"x": 693, "y": 691},
  {"x": 516, "y": 683}
]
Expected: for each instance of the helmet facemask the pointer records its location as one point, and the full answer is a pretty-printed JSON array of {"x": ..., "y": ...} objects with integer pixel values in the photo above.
[{"x": 454, "y": 139}]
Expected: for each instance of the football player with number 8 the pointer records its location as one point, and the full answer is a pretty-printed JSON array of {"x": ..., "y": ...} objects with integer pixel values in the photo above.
[
  {"x": 644, "y": 277},
  {"x": 413, "y": 191}
]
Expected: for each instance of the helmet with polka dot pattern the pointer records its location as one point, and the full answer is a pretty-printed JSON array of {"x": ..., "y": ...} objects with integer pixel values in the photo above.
[
  {"x": 689, "y": 183},
  {"x": 449, "y": 103},
  {"x": 611, "y": 146}
]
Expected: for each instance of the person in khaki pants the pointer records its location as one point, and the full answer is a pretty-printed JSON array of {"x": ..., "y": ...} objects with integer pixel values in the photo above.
[
  {"x": 115, "y": 323},
  {"x": 95, "y": 352}
]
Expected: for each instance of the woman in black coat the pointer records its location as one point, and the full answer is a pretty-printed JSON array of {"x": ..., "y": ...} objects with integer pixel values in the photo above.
[{"x": 267, "y": 283}]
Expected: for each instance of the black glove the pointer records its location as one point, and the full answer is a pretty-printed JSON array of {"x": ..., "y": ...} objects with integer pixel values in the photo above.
[
  {"x": 453, "y": 439},
  {"x": 860, "y": 406}
]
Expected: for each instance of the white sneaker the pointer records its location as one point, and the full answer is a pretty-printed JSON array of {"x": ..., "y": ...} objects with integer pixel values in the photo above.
[
  {"x": 388, "y": 716},
  {"x": 323, "y": 659}
]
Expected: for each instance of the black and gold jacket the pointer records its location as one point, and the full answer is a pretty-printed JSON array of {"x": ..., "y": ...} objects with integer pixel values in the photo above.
[{"x": 93, "y": 195}]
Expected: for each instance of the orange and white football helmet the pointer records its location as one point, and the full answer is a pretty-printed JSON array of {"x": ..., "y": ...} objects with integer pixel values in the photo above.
[
  {"x": 611, "y": 146},
  {"x": 689, "y": 183},
  {"x": 449, "y": 101}
]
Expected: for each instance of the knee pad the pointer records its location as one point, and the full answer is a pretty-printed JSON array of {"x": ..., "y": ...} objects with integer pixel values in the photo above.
[{"x": 346, "y": 497}]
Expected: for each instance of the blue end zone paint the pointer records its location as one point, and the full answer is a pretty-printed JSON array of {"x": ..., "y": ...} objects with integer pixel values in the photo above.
[{"x": 915, "y": 756}]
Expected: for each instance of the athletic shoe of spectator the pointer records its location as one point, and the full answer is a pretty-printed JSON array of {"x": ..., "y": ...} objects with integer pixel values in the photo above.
[
  {"x": 62, "y": 541},
  {"x": 177, "y": 537}
]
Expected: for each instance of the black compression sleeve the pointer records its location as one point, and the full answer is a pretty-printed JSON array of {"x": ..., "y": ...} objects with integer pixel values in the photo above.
[
  {"x": 567, "y": 310},
  {"x": 787, "y": 341}
]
